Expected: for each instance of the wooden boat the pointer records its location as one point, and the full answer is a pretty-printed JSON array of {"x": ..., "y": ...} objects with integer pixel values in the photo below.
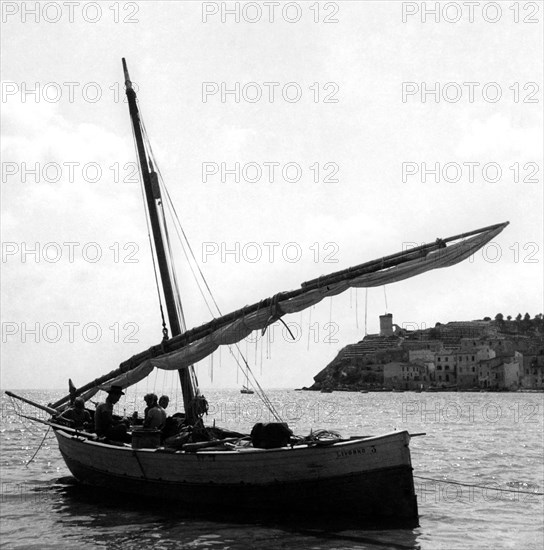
[
  {"x": 366, "y": 476},
  {"x": 355, "y": 476}
]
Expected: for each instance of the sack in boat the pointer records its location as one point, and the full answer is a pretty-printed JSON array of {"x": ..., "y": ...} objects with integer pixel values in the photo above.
[
  {"x": 270, "y": 435},
  {"x": 177, "y": 441},
  {"x": 172, "y": 426}
]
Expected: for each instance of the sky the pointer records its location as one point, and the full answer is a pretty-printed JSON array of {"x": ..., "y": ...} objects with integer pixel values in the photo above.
[{"x": 294, "y": 143}]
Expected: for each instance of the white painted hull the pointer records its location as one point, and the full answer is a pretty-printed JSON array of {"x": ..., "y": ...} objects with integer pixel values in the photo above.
[{"x": 366, "y": 477}]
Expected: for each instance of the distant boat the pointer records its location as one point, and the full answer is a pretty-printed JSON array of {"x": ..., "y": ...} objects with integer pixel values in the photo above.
[{"x": 245, "y": 389}]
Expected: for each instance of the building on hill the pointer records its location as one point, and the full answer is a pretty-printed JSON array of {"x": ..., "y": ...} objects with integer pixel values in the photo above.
[
  {"x": 500, "y": 372},
  {"x": 512, "y": 368},
  {"x": 532, "y": 372},
  {"x": 489, "y": 373},
  {"x": 446, "y": 367},
  {"x": 421, "y": 356},
  {"x": 431, "y": 345},
  {"x": 467, "y": 360},
  {"x": 405, "y": 376}
]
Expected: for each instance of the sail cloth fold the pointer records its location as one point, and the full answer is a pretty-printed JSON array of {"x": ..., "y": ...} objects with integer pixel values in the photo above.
[{"x": 241, "y": 328}]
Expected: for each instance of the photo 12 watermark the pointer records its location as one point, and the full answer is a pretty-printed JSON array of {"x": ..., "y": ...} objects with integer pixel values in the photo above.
[
  {"x": 471, "y": 92},
  {"x": 270, "y": 172},
  {"x": 53, "y": 252},
  {"x": 68, "y": 172},
  {"x": 437, "y": 491},
  {"x": 270, "y": 12},
  {"x": 70, "y": 12},
  {"x": 489, "y": 412},
  {"x": 64, "y": 92},
  {"x": 471, "y": 12},
  {"x": 19, "y": 492},
  {"x": 493, "y": 252},
  {"x": 471, "y": 172},
  {"x": 54, "y": 332},
  {"x": 270, "y": 92},
  {"x": 256, "y": 411},
  {"x": 269, "y": 252},
  {"x": 293, "y": 332}
]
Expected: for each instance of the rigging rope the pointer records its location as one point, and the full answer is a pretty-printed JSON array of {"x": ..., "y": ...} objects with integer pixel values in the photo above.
[
  {"x": 185, "y": 242},
  {"x": 169, "y": 256},
  {"x": 357, "y": 307},
  {"x": 366, "y": 310},
  {"x": 147, "y": 221}
]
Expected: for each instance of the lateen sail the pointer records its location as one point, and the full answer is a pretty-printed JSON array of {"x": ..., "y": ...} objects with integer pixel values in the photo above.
[{"x": 195, "y": 345}]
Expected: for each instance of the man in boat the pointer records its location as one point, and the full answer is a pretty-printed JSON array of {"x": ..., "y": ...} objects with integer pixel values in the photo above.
[
  {"x": 163, "y": 401},
  {"x": 155, "y": 415},
  {"x": 104, "y": 423},
  {"x": 77, "y": 416}
]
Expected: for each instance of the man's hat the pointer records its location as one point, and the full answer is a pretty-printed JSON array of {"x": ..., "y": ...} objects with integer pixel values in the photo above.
[{"x": 117, "y": 390}]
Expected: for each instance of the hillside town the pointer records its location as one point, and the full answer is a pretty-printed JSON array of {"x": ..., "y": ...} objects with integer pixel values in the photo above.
[{"x": 500, "y": 354}]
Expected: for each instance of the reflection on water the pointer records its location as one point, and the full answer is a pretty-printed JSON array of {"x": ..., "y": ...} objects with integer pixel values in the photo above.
[
  {"x": 148, "y": 521},
  {"x": 490, "y": 440}
]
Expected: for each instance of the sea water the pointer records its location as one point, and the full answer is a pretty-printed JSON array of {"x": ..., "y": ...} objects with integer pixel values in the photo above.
[{"x": 489, "y": 445}]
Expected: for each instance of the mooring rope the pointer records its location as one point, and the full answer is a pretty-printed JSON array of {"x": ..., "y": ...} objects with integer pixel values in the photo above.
[
  {"x": 38, "y": 449},
  {"x": 479, "y": 486}
]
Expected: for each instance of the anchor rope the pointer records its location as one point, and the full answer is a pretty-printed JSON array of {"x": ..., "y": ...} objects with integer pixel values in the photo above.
[{"x": 39, "y": 447}]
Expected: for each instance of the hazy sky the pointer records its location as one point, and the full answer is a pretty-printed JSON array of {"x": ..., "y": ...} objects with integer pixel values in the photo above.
[{"x": 349, "y": 102}]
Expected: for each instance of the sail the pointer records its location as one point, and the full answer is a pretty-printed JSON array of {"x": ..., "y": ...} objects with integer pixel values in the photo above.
[{"x": 258, "y": 319}]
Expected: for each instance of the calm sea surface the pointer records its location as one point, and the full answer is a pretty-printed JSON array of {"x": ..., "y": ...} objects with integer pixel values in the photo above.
[{"x": 492, "y": 440}]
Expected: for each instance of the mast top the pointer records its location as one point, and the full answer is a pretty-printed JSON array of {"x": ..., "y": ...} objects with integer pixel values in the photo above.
[{"x": 128, "y": 82}]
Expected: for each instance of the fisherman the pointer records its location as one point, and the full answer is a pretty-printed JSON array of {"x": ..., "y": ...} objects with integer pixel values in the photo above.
[
  {"x": 173, "y": 424},
  {"x": 104, "y": 423},
  {"x": 78, "y": 417},
  {"x": 163, "y": 401},
  {"x": 155, "y": 415}
]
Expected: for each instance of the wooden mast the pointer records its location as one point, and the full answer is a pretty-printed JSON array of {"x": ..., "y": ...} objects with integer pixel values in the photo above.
[{"x": 152, "y": 194}]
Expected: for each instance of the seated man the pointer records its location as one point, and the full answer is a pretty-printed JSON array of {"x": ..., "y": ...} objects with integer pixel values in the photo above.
[
  {"x": 77, "y": 416},
  {"x": 155, "y": 415},
  {"x": 103, "y": 418},
  {"x": 163, "y": 402}
]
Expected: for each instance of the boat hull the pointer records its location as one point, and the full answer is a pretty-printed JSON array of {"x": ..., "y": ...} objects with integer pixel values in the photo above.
[{"x": 369, "y": 477}]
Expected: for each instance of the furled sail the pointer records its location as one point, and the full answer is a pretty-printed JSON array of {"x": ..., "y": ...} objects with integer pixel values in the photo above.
[{"x": 197, "y": 344}]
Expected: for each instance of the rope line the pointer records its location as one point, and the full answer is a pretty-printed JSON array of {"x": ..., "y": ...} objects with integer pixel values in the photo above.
[
  {"x": 185, "y": 243},
  {"x": 39, "y": 447}
]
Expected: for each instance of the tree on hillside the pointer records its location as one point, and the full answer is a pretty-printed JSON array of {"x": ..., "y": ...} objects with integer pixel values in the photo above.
[
  {"x": 509, "y": 318},
  {"x": 518, "y": 317},
  {"x": 499, "y": 318}
]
